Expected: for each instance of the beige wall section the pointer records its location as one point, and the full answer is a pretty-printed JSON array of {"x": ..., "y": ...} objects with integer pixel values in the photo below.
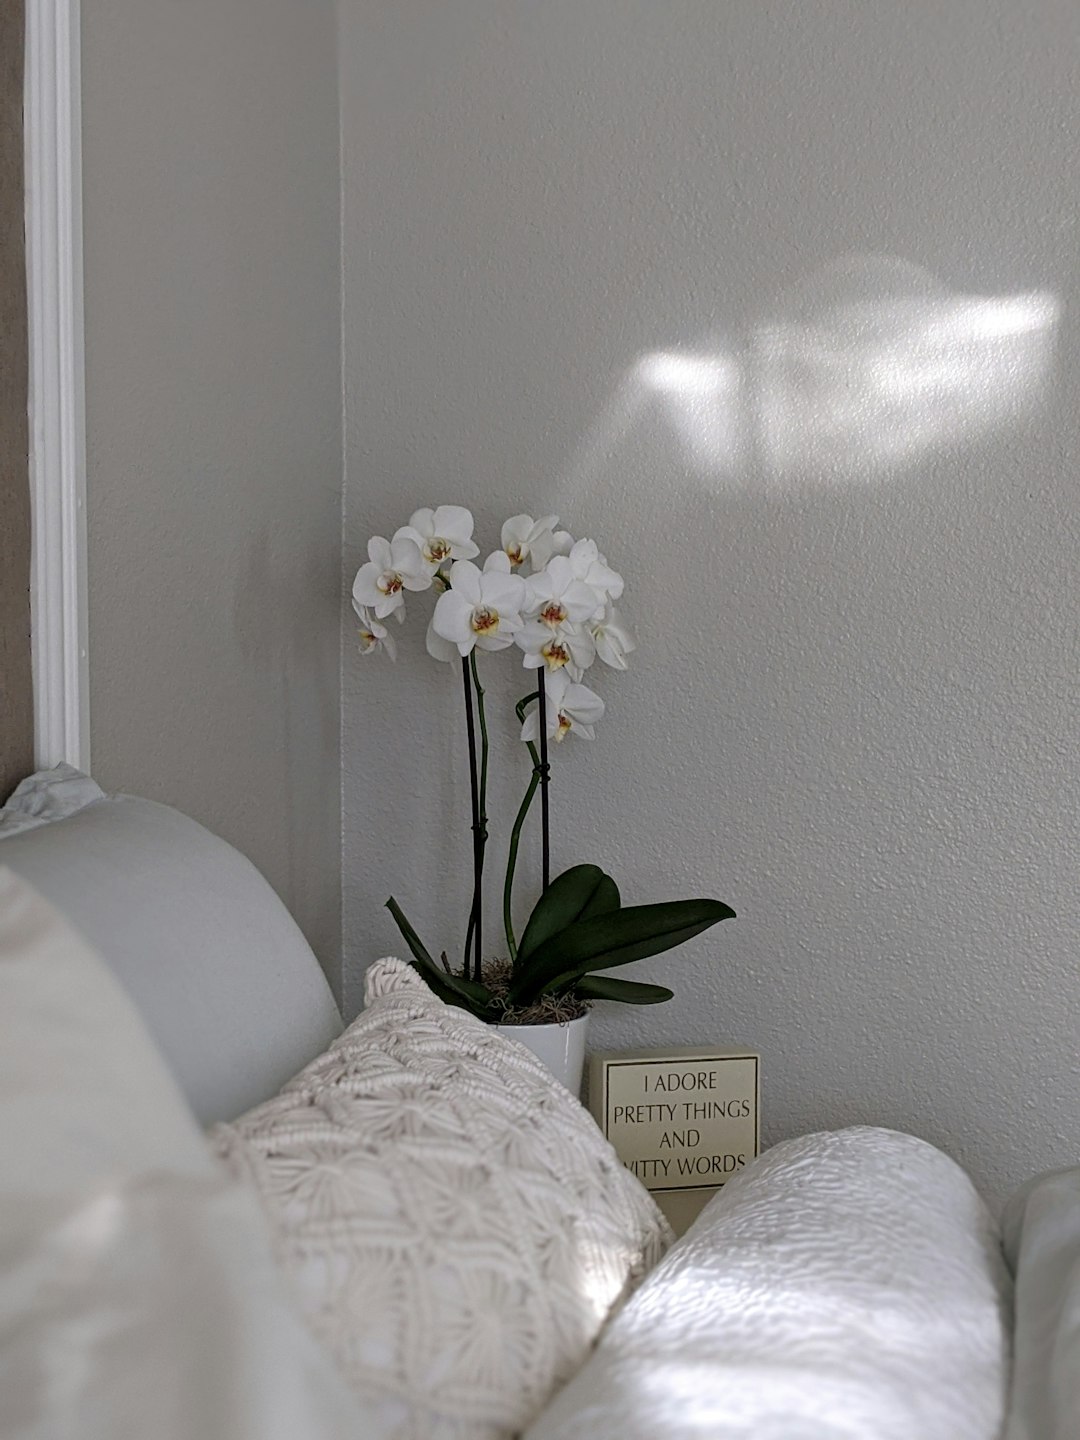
[
  {"x": 16, "y": 694},
  {"x": 848, "y": 508},
  {"x": 213, "y": 415}
]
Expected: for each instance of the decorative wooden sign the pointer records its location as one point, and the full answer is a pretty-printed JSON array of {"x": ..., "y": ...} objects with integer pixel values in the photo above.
[{"x": 679, "y": 1119}]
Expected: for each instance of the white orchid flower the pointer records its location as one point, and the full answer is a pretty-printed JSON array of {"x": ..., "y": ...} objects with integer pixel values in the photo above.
[
  {"x": 571, "y": 707},
  {"x": 612, "y": 639},
  {"x": 482, "y": 608},
  {"x": 558, "y": 597},
  {"x": 393, "y": 567},
  {"x": 524, "y": 538},
  {"x": 589, "y": 565},
  {"x": 374, "y": 636},
  {"x": 442, "y": 535},
  {"x": 570, "y": 646},
  {"x": 549, "y": 544},
  {"x": 438, "y": 648}
]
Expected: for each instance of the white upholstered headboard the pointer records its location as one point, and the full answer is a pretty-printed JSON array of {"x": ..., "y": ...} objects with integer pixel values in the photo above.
[{"x": 225, "y": 981}]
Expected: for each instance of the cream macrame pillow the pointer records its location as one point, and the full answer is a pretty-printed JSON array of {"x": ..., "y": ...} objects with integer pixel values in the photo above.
[{"x": 456, "y": 1227}]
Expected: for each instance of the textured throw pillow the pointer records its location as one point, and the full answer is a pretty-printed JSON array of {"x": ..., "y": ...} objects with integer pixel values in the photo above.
[
  {"x": 844, "y": 1286},
  {"x": 456, "y": 1227}
]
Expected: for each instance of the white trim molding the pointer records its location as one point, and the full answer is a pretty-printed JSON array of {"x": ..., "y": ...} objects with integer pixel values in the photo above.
[{"x": 58, "y": 591}]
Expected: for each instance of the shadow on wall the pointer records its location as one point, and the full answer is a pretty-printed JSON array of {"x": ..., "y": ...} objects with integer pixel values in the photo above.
[
  {"x": 862, "y": 371},
  {"x": 294, "y": 717}
]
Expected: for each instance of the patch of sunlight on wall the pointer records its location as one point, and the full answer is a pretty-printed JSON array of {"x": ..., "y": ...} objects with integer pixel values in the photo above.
[
  {"x": 702, "y": 394},
  {"x": 868, "y": 367},
  {"x": 867, "y": 383}
]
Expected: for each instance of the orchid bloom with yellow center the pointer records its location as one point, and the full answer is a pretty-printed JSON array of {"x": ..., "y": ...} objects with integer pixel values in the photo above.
[
  {"x": 482, "y": 608},
  {"x": 373, "y": 635},
  {"x": 571, "y": 708},
  {"x": 572, "y": 646},
  {"x": 560, "y": 607},
  {"x": 484, "y": 620},
  {"x": 442, "y": 535},
  {"x": 557, "y": 596},
  {"x": 393, "y": 567},
  {"x": 524, "y": 538}
]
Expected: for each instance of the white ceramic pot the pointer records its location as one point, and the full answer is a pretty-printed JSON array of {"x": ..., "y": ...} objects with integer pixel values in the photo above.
[{"x": 560, "y": 1047}]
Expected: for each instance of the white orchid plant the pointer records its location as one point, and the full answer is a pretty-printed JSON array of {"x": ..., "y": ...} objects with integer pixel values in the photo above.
[{"x": 551, "y": 600}]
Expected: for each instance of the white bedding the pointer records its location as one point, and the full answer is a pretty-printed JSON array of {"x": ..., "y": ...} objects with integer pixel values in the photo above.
[
  {"x": 1042, "y": 1243},
  {"x": 139, "y": 1297},
  {"x": 845, "y": 1285},
  {"x": 214, "y": 963}
]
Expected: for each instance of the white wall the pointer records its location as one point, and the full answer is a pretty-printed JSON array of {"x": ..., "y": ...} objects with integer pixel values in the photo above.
[
  {"x": 213, "y": 397},
  {"x": 848, "y": 507}
]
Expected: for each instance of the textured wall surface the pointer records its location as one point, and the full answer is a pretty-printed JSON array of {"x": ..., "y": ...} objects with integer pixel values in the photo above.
[
  {"x": 779, "y": 302},
  {"x": 214, "y": 430},
  {"x": 16, "y": 693}
]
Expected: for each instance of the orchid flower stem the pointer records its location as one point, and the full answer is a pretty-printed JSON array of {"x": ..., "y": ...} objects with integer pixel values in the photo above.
[
  {"x": 468, "y": 943},
  {"x": 515, "y": 834},
  {"x": 484, "y": 749},
  {"x": 511, "y": 859},
  {"x": 545, "y": 775},
  {"x": 474, "y": 931},
  {"x": 515, "y": 838}
]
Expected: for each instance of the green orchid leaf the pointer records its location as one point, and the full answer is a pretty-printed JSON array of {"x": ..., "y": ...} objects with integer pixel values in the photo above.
[
  {"x": 609, "y": 940},
  {"x": 451, "y": 991},
  {"x": 411, "y": 938},
  {"x": 565, "y": 900},
  {"x": 629, "y": 992},
  {"x": 605, "y": 899},
  {"x": 467, "y": 994}
]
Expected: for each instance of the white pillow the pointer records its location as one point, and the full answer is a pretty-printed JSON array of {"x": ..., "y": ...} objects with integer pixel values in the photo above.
[
  {"x": 844, "y": 1286},
  {"x": 214, "y": 962},
  {"x": 456, "y": 1226},
  {"x": 1041, "y": 1225},
  {"x": 139, "y": 1295}
]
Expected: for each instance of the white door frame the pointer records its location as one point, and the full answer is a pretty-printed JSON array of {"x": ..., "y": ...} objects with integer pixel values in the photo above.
[{"x": 58, "y": 596}]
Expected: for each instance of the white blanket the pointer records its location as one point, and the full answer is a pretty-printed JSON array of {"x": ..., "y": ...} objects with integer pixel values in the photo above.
[
  {"x": 1042, "y": 1243},
  {"x": 139, "y": 1296},
  {"x": 845, "y": 1285}
]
